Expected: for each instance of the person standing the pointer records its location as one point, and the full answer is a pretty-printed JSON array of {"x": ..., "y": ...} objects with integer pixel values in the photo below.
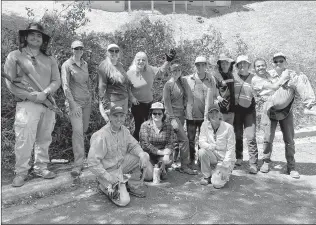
[
  {"x": 75, "y": 83},
  {"x": 34, "y": 123},
  {"x": 142, "y": 76},
  {"x": 245, "y": 113}
]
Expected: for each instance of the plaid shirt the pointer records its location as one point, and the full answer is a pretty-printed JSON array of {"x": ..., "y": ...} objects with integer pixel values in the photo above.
[{"x": 151, "y": 142}]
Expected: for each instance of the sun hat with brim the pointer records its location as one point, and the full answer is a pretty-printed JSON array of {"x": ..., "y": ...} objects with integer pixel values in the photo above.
[
  {"x": 200, "y": 59},
  {"x": 279, "y": 54},
  {"x": 223, "y": 57},
  {"x": 112, "y": 46},
  {"x": 242, "y": 58},
  {"x": 117, "y": 109},
  {"x": 213, "y": 107},
  {"x": 34, "y": 28},
  {"x": 76, "y": 44},
  {"x": 157, "y": 105}
]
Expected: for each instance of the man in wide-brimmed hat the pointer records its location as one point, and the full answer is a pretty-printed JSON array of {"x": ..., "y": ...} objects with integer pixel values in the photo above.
[{"x": 34, "y": 122}]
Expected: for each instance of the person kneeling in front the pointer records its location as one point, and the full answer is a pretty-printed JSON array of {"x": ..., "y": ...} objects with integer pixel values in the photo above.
[
  {"x": 217, "y": 149},
  {"x": 114, "y": 152}
]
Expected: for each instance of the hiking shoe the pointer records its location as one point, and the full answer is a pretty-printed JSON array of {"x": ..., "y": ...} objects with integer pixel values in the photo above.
[
  {"x": 76, "y": 171},
  {"x": 19, "y": 180},
  {"x": 206, "y": 181},
  {"x": 311, "y": 111},
  {"x": 253, "y": 169},
  {"x": 294, "y": 174},
  {"x": 238, "y": 162},
  {"x": 137, "y": 192},
  {"x": 45, "y": 173},
  {"x": 264, "y": 168}
]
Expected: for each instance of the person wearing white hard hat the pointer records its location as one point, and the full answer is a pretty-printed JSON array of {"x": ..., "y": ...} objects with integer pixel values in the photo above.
[
  {"x": 245, "y": 113},
  {"x": 278, "y": 88},
  {"x": 114, "y": 85},
  {"x": 75, "y": 83},
  {"x": 217, "y": 142},
  {"x": 200, "y": 91}
]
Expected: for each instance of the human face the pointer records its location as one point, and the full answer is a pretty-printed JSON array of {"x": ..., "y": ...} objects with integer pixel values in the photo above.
[
  {"x": 260, "y": 67},
  {"x": 225, "y": 66},
  {"x": 176, "y": 73},
  {"x": 117, "y": 120},
  {"x": 141, "y": 61},
  {"x": 201, "y": 67},
  {"x": 279, "y": 63},
  {"x": 113, "y": 54},
  {"x": 243, "y": 68},
  {"x": 157, "y": 115},
  {"x": 214, "y": 117},
  {"x": 77, "y": 52},
  {"x": 34, "y": 39}
]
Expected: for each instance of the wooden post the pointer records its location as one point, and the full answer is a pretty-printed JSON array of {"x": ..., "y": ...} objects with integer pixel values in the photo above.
[
  {"x": 152, "y": 6},
  {"x": 186, "y": 5},
  {"x": 174, "y": 6},
  {"x": 129, "y": 6}
]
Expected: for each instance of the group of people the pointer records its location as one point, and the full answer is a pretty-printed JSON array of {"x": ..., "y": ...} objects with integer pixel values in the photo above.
[{"x": 217, "y": 103}]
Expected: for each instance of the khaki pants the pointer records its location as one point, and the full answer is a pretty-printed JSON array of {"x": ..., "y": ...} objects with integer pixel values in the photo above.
[{"x": 34, "y": 124}]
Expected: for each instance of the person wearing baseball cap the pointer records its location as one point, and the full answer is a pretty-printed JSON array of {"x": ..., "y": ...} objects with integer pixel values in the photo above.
[
  {"x": 156, "y": 138},
  {"x": 173, "y": 98},
  {"x": 200, "y": 91},
  {"x": 114, "y": 151},
  {"x": 217, "y": 149},
  {"x": 245, "y": 113},
  {"x": 34, "y": 122},
  {"x": 75, "y": 77}
]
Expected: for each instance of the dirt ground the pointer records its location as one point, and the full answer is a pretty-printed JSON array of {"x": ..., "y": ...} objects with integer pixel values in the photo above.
[{"x": 261, "y": 198}]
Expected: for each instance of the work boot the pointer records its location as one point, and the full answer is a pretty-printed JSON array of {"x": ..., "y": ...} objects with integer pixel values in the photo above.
[
  {"x": 238, "y": 162},
  {"x": 137, "y": 192},
  {"x": 253, "y": 169},
  {"x": 265, "y": 167},
  {"x": 293, "y": 173},
  {"x": 45, "y": 173},
  {"x": 19, "y": 180},
  {"x": 76, "y": 171},
  {"x": 206, "y": 180}
]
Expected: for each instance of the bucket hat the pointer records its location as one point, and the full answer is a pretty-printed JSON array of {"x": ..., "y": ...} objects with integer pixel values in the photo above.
[
  {"x": 34, "y": 27},
  {"x": 213, "y": 107},
  {"x": 223, "y": 57}
]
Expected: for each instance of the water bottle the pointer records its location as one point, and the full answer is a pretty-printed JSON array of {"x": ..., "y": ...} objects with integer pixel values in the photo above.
[{"x": 156, "y": 174}]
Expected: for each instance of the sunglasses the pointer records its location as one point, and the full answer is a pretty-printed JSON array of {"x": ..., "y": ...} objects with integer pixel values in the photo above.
[
  {"x": 112, "y": 50},
  {"x": 78, "y": 48},
  {"x": 157, "y": 114},
  {"x": 278, "y": 61}
]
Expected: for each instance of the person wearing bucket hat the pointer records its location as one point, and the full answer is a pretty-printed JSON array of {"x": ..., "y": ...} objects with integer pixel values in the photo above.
[
  {"x": 217, "y": 142},
  {"x": 114, "y": 85},
  {"x": 200, "y": 91},
  {"x": 156, "y": 138},
  {"x": 141, "y": 76},
  {"x": 226, "y": 87},
  {"x": 114, "y": 152},
  {"x": 173, "y": 98},
  {"x": 34, "y": 123},
  {"x": 245, "y": 113},
  {"x": 75, "y": 83},
  {"x": 278, "y": 88}
]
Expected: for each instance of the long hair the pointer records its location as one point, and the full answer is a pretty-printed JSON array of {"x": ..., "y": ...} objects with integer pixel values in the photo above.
[
  {"x": 133, "y": 66},
  {"x": 44, "y": 46},
  {"x": 112, "y": 72}
]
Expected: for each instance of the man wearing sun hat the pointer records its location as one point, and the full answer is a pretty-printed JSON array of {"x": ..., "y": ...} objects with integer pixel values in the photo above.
[
  {"x": 114, "y": 152},
  {"x": 217, "y": 142},
  {"x": 34, "y": 123}
]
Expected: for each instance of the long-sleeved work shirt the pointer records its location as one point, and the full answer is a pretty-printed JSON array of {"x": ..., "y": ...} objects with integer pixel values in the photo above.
[
  {"x": 142, "y": 82},
  {"x": 221, "y": 142},
  {"x": 75, "y": 81},
  {"x": 45, "y": 72},
  {"x": 107, "y": 151}
]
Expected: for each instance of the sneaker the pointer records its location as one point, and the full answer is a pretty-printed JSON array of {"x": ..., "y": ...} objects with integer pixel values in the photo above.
[
  {"x": 238, "y": 162},
  {"x": 45, "y": 173},
  {"x": 137, "y": 192},
  {"x": 311, "y": 111},
  {"x": 205, "y": 181},
  {"x": 294, "y": 174},
  {"x": 19, "y": 180},
  {"x": 76, "y": 171},
  {"x": 265, "y": 167},
  {"x": 253, "y": 169}
]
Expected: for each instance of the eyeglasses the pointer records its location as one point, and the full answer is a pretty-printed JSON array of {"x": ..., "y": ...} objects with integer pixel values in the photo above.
[
  {"x": 112, "y": 51},
  {"x": 278, "y": 61},
  {"x": 78, "y": 48},
  {"x": 157, "y": 114}
]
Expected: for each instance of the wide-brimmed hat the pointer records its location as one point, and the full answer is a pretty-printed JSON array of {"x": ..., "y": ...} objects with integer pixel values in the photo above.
[
  {"x": 279, "y": 54},
  {"x": 34, "y": 27},
  {"x": 117, "y": 109},
  {"x": 242, "y": 58},
  {"x": 200, "y": 59},
  {"x": 157, "y": 105},
  {"x": 112, "y": 46},
  {"x": 223, "y": 57},
  {"x": 76, "y": 44}
]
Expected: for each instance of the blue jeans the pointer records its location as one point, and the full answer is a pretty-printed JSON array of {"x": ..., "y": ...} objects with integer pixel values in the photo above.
[
  {"x": 246, "y": 122},
  {"x": 192, "y": 125},
  {"x": 287, "y": 128}
]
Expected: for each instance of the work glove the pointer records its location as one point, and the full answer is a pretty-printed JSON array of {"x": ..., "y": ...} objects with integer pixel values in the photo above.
[
  {"x": 222, "y": 103},
  {"x": 171, "y": 55}
]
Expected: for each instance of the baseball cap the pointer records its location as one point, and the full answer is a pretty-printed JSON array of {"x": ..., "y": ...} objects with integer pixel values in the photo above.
[
  {"x": 76, "y": 44},
  {"x": 200, "y": 59},
  {"x": 157, "y": 105},
  {"x": 242, "y": 58},
  {"x": 279, "y": 54},
  {"x": 213, "y": 107},
  {"x": 112, "y": 46},
  {"x": 117, "y": 109}
]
